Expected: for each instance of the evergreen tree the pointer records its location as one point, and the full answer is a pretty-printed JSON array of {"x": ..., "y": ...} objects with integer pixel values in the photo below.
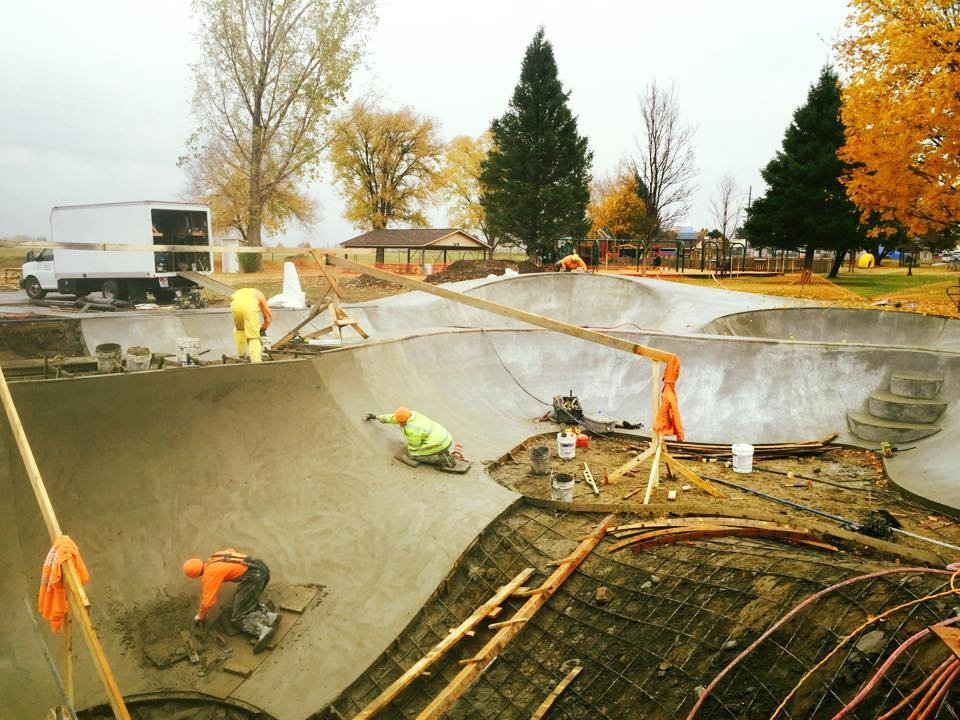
[
  {"x": 535, "y": 180},
  {"x": 806, "y": 205}
]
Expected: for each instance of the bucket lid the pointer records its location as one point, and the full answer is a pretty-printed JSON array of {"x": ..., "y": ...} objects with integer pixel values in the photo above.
[{"x": 107, "y": 348}]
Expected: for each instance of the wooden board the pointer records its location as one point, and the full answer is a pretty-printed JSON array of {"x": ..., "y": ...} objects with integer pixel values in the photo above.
[
  {"x": 552, "y": 697},
  {"x": 294, "y": 598}
]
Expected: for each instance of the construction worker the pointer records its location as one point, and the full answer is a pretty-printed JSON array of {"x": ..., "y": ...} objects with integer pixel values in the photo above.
[
  {"x": 427, "y": 442},
  {"x": 572, "y": 263},
  {"x": 251, "y": 576},
  {"x": 247, "y": 304}
]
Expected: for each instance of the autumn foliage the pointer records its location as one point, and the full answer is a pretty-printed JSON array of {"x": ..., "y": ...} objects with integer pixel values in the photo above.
[
  {"x": 900, "y": 106},
  {"x": 616, "y": 208}
]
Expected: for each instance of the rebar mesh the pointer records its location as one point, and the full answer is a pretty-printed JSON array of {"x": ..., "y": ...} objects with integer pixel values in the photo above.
[{"x": 679, "y": 613}]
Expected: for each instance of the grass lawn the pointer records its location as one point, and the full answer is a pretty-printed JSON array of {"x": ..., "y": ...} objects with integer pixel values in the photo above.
[{"x": 878, "y": 282}]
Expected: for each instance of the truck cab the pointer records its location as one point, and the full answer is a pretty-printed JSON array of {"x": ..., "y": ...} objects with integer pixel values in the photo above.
[{"x": 37, "y": 274}]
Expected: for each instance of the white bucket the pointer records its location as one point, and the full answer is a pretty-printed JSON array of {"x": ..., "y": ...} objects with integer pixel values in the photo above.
[
  {"x": 138, "y": 358},
  {"x": 428, "y": 268},
  {"x": 742, "y": 457},
  {"x": 561, "y": 487},
  {"x": 566, "y": 445},
  {"x": 186, "y": 346},
  {"x": 108, "y": 357}
]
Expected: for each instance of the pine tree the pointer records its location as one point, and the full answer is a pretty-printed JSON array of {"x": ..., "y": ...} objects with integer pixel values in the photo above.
[
  {"x": 806, "y": 205},
  {"x": 536, "y": 179}
]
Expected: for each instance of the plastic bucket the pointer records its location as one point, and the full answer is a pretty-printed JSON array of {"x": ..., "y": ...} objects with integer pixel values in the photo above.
[
  {"x": 108, "y": 357},
  {"x": 566, "y": 445},
  {"x": 138, "y": 358},
  {"x": 540, "y": 460},
  {"x": 742, "y": 457},
  {"x": 583, "y": 441},
  {"x": 561, "y": 487},
  {"x": 186, "y": 346}
]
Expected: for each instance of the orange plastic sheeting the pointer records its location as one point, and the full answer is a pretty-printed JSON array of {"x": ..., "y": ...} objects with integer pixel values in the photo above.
[
  {"x": 668, "y": 416},
  {"x": 52, "y": 601}
]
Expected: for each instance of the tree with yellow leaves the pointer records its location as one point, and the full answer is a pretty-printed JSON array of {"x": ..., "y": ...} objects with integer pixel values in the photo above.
[
  {"x": 387, "y": 163},
  {"x": 460, "y": 183},
  {"x": 617, "y": 208},
  {"x": 901, "y": 108}
]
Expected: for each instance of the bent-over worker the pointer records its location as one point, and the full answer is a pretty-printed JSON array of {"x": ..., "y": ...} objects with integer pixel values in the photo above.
[
  {"x": 251, "y": 576},
  {"x": 572, "y": 263},
  {"x": 247, "y": 305},
  {"x": 427, "y": 441}
]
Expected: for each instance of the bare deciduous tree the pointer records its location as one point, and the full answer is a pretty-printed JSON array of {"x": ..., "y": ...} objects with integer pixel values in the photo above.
[
  {"x": 666, "y": 160},
  {"x": 726, "y": 204}
]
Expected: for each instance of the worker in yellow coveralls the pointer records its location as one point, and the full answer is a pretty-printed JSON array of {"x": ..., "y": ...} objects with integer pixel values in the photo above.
[{"x": 247, "y": 305}]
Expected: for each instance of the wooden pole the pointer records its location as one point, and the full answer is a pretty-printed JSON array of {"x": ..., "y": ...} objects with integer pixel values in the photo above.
[
  {"x": 505, "y": 310},
  {"x": 435, "y": 653},
  {"x": 466, "y": 677},
  {"x": 552, "y": 697},
  {"x": 77, "y": 598},
  {"x": 67, "y": 659},
  {"x": 654, "y": 407}
]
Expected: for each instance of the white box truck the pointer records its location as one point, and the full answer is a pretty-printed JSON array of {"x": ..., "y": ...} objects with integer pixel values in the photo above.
[{"x": 119, "y": 274}]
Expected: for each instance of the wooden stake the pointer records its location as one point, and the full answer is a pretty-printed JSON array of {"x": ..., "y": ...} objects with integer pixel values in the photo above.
[
  {"x": 75, "y": 594},
  {"x": 418, "y": 668},
  {"x": 465, "y": 678},
  {"x": 654, "y": 472},
  {"x": 67, "y": 659},
  {"x": 552, "y": 697}
]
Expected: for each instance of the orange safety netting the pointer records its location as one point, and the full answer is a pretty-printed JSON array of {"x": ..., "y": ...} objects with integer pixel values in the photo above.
[
  {"x": 667, "y": 421},
  {"x": 52, "y": 600}
]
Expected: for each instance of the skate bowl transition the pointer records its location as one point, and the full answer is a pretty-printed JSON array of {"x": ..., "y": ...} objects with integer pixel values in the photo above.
[{"x": 150, "y": 468}]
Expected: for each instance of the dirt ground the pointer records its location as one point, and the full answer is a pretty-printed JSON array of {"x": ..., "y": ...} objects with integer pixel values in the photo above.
[
  {"x": 857, "y": 485},
  {"x": 472, "y": 269}
]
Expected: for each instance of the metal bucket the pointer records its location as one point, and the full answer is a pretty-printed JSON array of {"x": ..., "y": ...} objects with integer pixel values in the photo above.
[
  {"x": 561, "y": 487},
  {"x": 138, "y": 358},
  {"x": 540, "y": 460},
  {"x": 108, "y": 357}
]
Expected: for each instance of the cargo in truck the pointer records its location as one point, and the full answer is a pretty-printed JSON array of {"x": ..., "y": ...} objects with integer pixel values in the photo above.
[{"x": 121, "y": 274}]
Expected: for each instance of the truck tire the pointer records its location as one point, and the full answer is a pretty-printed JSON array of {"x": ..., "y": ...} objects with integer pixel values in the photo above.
[
  {"x": 115, "y": 290},
  {"x": 32, "y": 287},
  {"x": 164, "y": 295}
]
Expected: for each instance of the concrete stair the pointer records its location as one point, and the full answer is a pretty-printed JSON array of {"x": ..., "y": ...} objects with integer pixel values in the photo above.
[{"x": 904, "y": 413}]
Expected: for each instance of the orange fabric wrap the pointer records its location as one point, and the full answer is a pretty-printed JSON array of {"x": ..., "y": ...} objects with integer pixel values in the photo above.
[
  {"x": 215, "y": 573},
  {"x": 52, "y": 600},
  {"x": 668, "y": 416}
]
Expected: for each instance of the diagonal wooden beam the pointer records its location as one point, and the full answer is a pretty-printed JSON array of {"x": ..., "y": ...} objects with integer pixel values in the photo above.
[
  {"x": 465, "y": 678},
  {"x": 437, "y": 651}
]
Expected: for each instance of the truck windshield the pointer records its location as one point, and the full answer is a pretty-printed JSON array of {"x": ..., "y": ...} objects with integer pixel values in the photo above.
[{"x": 45, "y": 255}]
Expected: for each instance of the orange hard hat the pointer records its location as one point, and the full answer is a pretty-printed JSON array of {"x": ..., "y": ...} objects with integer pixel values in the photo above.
[
  {"x": 193, "y": 567},
  {"x": 402, "y": 414}
]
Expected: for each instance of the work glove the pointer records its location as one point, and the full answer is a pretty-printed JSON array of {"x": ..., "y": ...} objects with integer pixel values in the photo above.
[
  {"x": 263, "y": 332},
  {"x": 197, "y": 620},
  {"x": 369, "y": 416}
]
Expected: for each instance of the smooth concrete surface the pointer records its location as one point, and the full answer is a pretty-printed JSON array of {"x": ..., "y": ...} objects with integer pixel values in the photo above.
[
  {"x": 843, "y": 325},
  {"x": 147, "y": 469}
]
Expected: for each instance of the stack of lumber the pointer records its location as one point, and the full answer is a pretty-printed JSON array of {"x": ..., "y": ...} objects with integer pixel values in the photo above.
[{"x": 767, "y": 451}]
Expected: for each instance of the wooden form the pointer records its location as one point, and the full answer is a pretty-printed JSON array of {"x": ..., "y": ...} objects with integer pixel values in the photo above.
[
  {"x": 950, "y": 637},
  {"x": 466, "y": 677},
  {"x": 489, "y": 608},
  {"x": 552, "y": 697},
  {"x": 76, "y": 596}
]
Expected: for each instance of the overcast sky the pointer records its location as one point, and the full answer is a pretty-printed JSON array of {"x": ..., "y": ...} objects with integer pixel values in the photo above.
[{"x": 95, "y": 96}]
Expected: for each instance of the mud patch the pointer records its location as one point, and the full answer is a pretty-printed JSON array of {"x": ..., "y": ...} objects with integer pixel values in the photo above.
[{"x": 32, "y": 339}]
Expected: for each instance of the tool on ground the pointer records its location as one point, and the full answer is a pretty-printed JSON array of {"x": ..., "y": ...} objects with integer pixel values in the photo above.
[
  {"x": 191, "y": 648},
  {"x": 215, "y": 665},
  {"x": 588, "y": 476},
  {"x": 886, "y": 449}
]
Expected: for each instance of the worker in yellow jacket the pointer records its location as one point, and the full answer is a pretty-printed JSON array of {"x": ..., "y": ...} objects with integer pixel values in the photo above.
[
  {"x": 427, "y": 441},
  {"x": 247, "y": 305}
]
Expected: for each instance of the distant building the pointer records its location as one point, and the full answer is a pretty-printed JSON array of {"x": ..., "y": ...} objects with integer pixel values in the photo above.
[{"x": 422, "y": 239}]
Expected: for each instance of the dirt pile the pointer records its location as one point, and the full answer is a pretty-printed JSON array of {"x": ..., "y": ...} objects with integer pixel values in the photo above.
[
  {"x": 364, "y": 287},
  {"x": 471, "y": 269}
]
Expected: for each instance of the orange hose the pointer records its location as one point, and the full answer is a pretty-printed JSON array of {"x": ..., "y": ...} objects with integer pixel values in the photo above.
[
  {"x": 926, "y": 702},
  {"x": 941, "y": 669}
]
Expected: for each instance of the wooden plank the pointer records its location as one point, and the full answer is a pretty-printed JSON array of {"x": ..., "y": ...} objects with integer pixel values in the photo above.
[
  {"x": 207, "y": 282},
  {"x": 654, "y": 472},
  {"x": 660, "y": 533},
  {"x": 505, "y": 310},
  {"x": 950, "y": 637},
  {"x": 76, "y": 595},
  {"x": 295, "y": 598},
  {"x": 437, "y": 651},
  {"x": 67, "y": 659},
  {"x": 465, "y": 678},
  {"x": 507, "y": 623},
  {"x": 334, "y": 285},
  {"x": 534, "y": 591},
  {"x": 317, "y": 308},
  {"x": 552, "y": 697},
  {"x": 681, "y": 469},
  {"x": 632, "y": 465}
]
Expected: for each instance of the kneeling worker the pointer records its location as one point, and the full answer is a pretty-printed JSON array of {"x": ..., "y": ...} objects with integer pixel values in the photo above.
[
  {"x": 251, "y": 576},
  {"x": 427, "y": 442},
  {"x": 247, "y": 304},
  {"x": 572, "y": 262}
]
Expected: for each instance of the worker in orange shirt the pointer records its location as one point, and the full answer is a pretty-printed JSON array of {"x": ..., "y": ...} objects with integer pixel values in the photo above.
[
  {"x": 247, "y": 305},
  {"x": 251, "y": 576},
  {"x": 572, "y": 263}
]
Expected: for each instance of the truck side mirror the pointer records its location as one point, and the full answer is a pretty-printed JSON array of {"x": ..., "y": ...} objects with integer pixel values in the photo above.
[{"x": 30, "y": 256}]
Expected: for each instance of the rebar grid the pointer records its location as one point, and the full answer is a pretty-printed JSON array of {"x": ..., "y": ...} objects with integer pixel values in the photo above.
[{"x": 645, "y": 652}]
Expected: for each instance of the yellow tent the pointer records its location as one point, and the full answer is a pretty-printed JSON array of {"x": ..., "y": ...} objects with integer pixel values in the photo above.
[{"x": 866, "y": 261}]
